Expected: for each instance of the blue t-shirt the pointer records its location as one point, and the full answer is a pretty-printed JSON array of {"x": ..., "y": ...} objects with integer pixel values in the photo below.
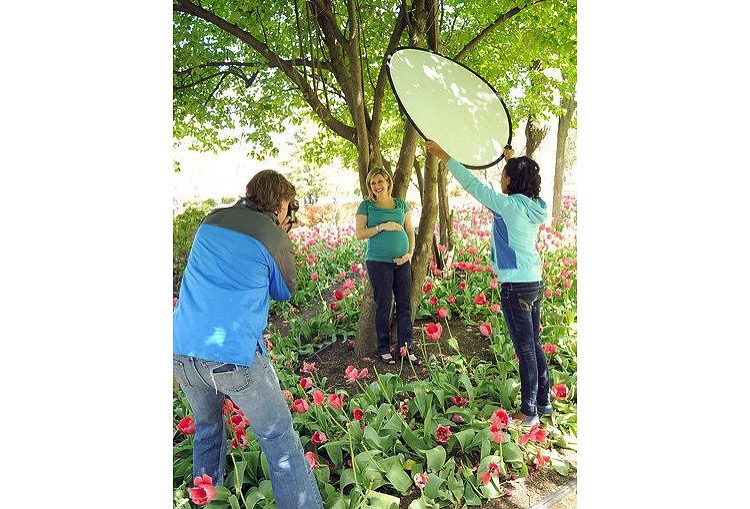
[{"x": 385, "y": 245}]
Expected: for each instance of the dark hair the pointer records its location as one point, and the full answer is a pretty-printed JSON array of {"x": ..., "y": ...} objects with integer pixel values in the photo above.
[
  {"x": 524, "y": 176},
  {"x": 266, "y": 189}
]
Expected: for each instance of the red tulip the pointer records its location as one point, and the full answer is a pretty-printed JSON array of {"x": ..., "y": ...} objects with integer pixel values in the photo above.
[
  {"x": 204, "y": 491},
  {"x": 433, "y": 331},
  {"x": 308, "y": 367},
  {"x": 319, "y": 438},
  {"x": 186, "y": 426},
  {"x": 442, "y": 434},
  {"x": 485, "y": 328},
  {"x": 336, "y": 401},
  {"x": 318, "y": 397},
  {"x": 560, "y": 391},
  {"x": 312, "y": 459},
  {"x": 300, "y": 406}
]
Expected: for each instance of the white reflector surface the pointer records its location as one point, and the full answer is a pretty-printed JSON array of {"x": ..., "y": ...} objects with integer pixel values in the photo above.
[{"x": 449, "y": 103}]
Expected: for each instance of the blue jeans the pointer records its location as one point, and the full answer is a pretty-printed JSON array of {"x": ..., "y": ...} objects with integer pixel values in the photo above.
[
  {"x": 521, "y": 303},
  {"x": 255, "y": 390},
  {"x": 387, "y": 280}
]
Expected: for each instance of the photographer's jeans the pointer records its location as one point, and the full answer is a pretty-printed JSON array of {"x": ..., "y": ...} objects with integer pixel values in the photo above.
[
  {"x": 387, "y": 280},
  {"x": 255, "y": 390},
  {"x": 521, "y": 304}
]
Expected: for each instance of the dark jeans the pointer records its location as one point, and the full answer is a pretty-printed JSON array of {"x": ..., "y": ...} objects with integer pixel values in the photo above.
[
  {"x": 388, "y": 279},
  {"x": 521, "y": 303}
]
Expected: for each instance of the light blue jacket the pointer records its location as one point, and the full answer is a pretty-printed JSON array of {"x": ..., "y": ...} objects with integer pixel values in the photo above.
[{"x": 515, "y": 223}]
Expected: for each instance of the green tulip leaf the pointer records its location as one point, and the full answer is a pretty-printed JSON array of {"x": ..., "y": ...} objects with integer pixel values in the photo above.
[
  {"x": 512, "y": 453},
  {"x": 322, "y": 473},
  {"x": 431, "y": 489},
  {"x": 347, "y": 478},
  {"x": 377, "y": 500},
  {"x": 372, "y": 439},
  {"x": 467, "y": 385},
  {"x": 413, "y": 441},
  {"x": 398, "y": 478},
  {"x": 465, "y": 438},
  {"x": 435, "y": 458},
  {"x": 334, "y": 452}
]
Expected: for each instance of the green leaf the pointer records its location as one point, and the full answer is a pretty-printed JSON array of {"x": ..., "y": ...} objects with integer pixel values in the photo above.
[
  {"x": 222, "y": 493},
  {"x": 336, "y": 501},
  {"x": 420, "y": 503},
  {"x": 431, "y": 489},
  {"x": 512, "y": 453},
  {"x": 322, "y": 473},
  {"x": 413, "y": 441},
  {"x": 372, "y": 439},
  {"x": 253, "y": 497},
  {"x": 233, "y": 502},
  {"x": 486, "y": 447},
  {"x": 453, "y": 343},
  {"x": 456, "y": 486},
  {"x": 398, "y": 478},
  {"x": 334, "y": 452},
  {"x": 347, "y": 478},
  {"x": 394, "y": 423},
  {"x": 467, "y": 385},
  {"x": 561, "y": 467},
  {"x": 237, "y": 475},
  {"x": 435, "y": 458},
  {"x": 465, "y": 438},
  {"x": 423, "y": 400},
  {"x": 377, "y": 500},
  {"x": 470, "y": 496}
]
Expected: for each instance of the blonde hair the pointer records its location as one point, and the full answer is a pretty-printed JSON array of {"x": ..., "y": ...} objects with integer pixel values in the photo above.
[{"x": 374, "y": 173}]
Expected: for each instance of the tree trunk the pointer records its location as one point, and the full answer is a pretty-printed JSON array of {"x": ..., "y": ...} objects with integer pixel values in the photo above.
[
  {"x": 563, "y": 125},
  {"x": 421, "y": 14},
  {"x": 445, "y": 214},
  {"x": 535, "y": 133},
  {"x": 420, "y": 180},
  {"x": 366, "y": 340}
]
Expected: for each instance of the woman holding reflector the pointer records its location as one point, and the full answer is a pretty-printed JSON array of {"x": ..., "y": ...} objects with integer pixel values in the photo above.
[{"x": 517, "y": 213}]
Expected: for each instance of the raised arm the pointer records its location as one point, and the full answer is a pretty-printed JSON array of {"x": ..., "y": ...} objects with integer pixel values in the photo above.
[{"x": 475, "y": 187}]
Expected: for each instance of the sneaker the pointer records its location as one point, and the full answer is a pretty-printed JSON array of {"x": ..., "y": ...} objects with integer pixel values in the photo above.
[
  {"x": 544, "y": 410},
  {"x": 525, "y": 422}
]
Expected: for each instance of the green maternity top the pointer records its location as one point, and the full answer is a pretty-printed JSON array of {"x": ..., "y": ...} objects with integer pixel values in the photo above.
[{"x": 385, "y": 245}]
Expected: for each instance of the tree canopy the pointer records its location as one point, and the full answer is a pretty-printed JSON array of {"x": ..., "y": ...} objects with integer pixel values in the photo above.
[{"x": 247, "y": 66}]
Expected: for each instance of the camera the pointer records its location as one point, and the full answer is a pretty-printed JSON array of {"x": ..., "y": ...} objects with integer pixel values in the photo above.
[{"x": 292, "y": 211}]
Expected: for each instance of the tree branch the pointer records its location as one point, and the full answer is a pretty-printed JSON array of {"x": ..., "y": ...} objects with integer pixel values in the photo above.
[
  {"x": 491, "y": 27},
  {"x": 345, "y": 131},
  {"x": 296, "y": 62},
  {"x": 377, "y": 104}
]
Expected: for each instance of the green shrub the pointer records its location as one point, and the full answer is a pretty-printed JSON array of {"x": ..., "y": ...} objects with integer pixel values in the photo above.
[{"x": 184, "y": 226}]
